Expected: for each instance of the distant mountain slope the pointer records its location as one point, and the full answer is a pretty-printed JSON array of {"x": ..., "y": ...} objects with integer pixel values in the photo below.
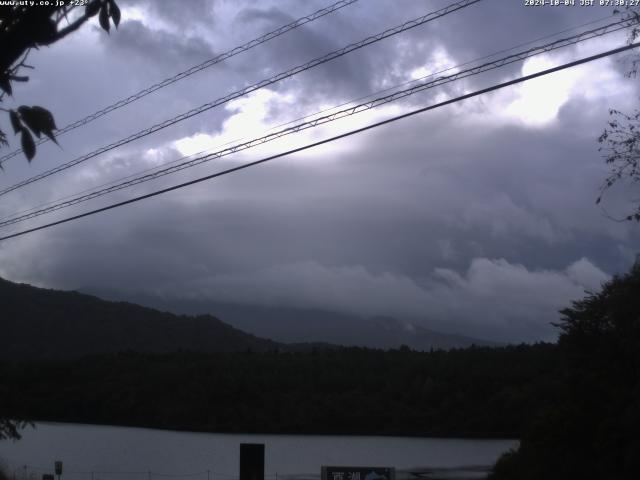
[
  {"x": 285, "y": 324},
  {"x": 38, "y": 323}
]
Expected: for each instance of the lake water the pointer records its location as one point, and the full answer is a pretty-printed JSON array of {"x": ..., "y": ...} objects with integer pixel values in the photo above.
[{"x": 91, "y": 452}]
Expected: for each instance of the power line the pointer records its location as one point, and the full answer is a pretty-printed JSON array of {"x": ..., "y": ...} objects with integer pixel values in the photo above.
[
  {"x": 190, "y": 71},
  {"x": 80, "y": 198},
  {"x": 331, "y": 139},
  {"x": 318, "y": 121},
  {"x": 281, "y": 76},
  {"x": 289, "y": 122}
]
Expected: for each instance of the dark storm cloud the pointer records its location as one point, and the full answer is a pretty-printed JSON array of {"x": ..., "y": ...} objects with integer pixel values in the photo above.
[
  {"x": 370, "y": 224},
  {"x": 271, "y": 16},
  {"x": 464, "y": 36},
  {"x": 475, "y": 32},
  {"x": 178, "y": 12},
  {"x": 156, "y": 47},
  {"x": 342, "y": 77},
  {"x": 458, "y": 211}
]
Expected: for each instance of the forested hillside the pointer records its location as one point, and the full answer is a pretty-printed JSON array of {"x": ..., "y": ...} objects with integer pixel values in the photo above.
[
  {"x": 476, "y": 392},
  {"x": 38, "y": 323}
]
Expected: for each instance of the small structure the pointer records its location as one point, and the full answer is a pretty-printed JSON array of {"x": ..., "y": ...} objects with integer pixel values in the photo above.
[
  {"x": 58, "y": 468},
  {"x": 358, "y": 473},
  {"x": 252, "y": 461}
]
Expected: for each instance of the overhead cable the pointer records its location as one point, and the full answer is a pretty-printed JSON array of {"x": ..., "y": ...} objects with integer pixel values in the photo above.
[
  {"x": 135, "y": 180},
  {"x": 239, "y": 93},
  {"x": 310, "y": 115},
  {"x": 328, "y": 140},
  {"x": 190, "y": 71}
]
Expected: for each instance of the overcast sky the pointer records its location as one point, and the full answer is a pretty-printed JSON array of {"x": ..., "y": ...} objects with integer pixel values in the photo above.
[{"x": 479, "y": 217}]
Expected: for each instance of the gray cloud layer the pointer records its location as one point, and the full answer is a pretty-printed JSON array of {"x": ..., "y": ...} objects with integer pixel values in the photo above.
[{"x": 469, "y": 218}]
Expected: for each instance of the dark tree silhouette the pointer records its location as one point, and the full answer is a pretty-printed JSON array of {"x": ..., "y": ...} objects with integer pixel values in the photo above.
[
  {"x": 22, "y": 28},
  {"x": 25, "y": 27},
  {"x": 592, "y": 430},
  {"x": 10, "y": 429},
  {"x": 620, "y": 140}
]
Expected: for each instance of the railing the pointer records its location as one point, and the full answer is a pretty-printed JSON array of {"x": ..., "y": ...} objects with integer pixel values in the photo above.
[{"x": 31, "y": 472}]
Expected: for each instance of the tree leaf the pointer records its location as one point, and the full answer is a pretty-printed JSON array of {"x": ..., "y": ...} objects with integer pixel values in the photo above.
[
  {"x": 5, "y": 84},
  {"x": 104, "y": 18},
  {"x": 39, "y": 120},
  {"x": 30, "y": 120},
  {"x": 28, "y": 145},
  {"x": 19, "y": 78},
  {"x": 44, "y": 118},
  {"x": 15, "y": 121},
  {"x": 92, "y": 8},
  {"x": 3, "y": 141},
  {"x": 114, "y": 10}
]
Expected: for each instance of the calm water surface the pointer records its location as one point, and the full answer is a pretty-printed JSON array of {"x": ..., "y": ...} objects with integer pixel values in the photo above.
[{"x": 91, "y": 452}]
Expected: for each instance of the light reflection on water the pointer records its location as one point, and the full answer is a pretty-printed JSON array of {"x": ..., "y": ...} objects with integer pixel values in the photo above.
[{"x": 92, "y": 452}]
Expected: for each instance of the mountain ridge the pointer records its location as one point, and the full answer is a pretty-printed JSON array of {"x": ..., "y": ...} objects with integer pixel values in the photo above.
[
  {"x": 39, "y": 323},
  {"x": 299, "y": 325}
]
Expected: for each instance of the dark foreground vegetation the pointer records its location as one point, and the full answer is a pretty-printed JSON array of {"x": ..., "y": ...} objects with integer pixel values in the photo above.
[
  {"x": 575, "y": 405},
  {"x": 476, "y": 392},
  {"x": 592, "y": 429}
]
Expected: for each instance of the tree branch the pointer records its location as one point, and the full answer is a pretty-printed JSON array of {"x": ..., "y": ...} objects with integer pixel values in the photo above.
[{"x": 72, "y": 27}]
